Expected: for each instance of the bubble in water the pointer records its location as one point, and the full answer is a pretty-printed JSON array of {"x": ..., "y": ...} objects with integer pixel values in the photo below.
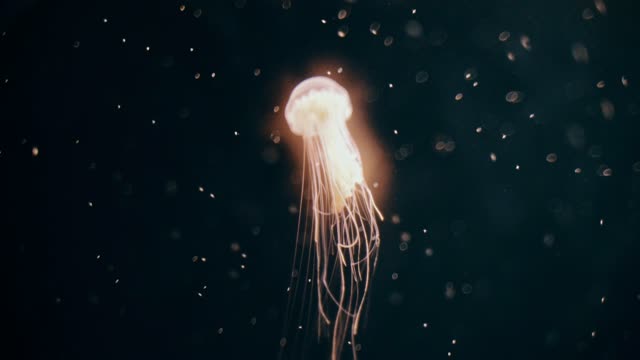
[
  {"x": 504, "y": 36},
  {"x": 374, "y": 28},
  {"x": 514, "y": 97},
  {"x": 422, "y": 76}
]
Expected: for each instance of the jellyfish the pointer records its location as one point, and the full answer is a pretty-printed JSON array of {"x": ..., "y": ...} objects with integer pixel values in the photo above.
[{"x": 338, "y": 224}]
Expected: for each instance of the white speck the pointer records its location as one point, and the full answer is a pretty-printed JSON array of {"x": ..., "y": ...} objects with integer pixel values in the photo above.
[
  {"x": 191, "y": 49},
  {"x": 323, "y": 21},
  {"x": 90, "y": 204},
  {"x": 532, "y": 115},
  {"x": 493, "y": 157},
  {"x": 453, "y": 341},
  {"x": 213, "y": 75},
  {"x": 124, "y": 40},
  {"x": 98, "y": 257},
  {"x": 479, "y": 129},
  {"x": 475, "y": 84},
  {"x": 424, "y": 231},
  {"x": 394, "y": 276},
  {"x": 119, "y": 106},
  {"x": 105, "y": 20},
  {"x": 577, "y": 170},
  {"x": 148, "y": 48},
  {"x": 395, "y": 132},
  {"x": 236, "y": 133},
  {"x": 211, "y": 195},
  {"x": 601, "y": 222},
  {"x": 602, "y": 300},
  {"x": 517, "y": 167},
  {"x": 413, "y": 11},
  {"x": 593, "y": 334},
  {"x": 117, "y": 281},
  {"x": 200, "y": 188},
  {"x": 425, "y": 325},
  {"x": 220, "y": 331},
  {"x": 390, "y": 86},
  {"x": 153, "y": 122},
  {"x": 459, "y": 96}
]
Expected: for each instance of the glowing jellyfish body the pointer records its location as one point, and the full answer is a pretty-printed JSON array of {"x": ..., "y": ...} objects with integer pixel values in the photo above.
[{"x": 343, "y": 227}]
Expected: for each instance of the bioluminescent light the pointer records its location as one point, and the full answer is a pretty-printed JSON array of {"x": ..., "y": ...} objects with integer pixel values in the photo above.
[{"x": 338, "y": 225}]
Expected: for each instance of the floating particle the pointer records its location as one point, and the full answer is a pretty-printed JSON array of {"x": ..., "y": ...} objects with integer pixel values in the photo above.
[
  {"x": 395, "y": 132},
  {"x": 548, "y": 240},
  {"x": 286, "y": 4},
  {"x": 531, "y": 116},
  {"x": 601, "y": 222},
  {"x": 195, "y": 258},
  {"x": 453, "y": 342},
  {"x": 236, "y": 133},
  {"x": 35, "y": 151},
  {"x": 90, "y": 204},
  {"x": 422, "y": 77},
  {"x": 182, "y": 7},
  {"x": 388, "y": 41},
  {"x": 504, "y": 36},
  {"x": 514, "y": 97},
  {"x": 600, "y": 84},
  {"x": 479, "y": 129},
  {"x": 148, "y": 48},
  {"x": 606, "y": 171},
  {"x": 577, "y": 170},
  {"x": 105, "y": 20},
  {"x": 602, "y": 8},
  {"x": 428, "y": 252},
  {"x": 124, "y": 40},
  {"x": 413, "y": 29},
  {"x": 425, "y": 325},
  {"x": 213, "y": 75},
  {"x": 394, "y": 276},
  {"x": 467, "y": 288},
  {"x": 153, "y": 122},
  {"x": 390, "y": 86},
  {"x": 475, "y": 84},
  {"x": 276, "y": 109},
  {"x": 395, "y": 219},
  {"x": 343, "y": 31},
  {"x": 511, "y": 56},
  {"x": 517, "y": 167},
  {"x": 580, "y": 53},
  {"x": 340, "y": 70},
  {"x": 607, "y": 108},
  {"x": 625, "y": 81},
  {"x": 587, "y": 14},
  {"x": 197, "y": 13},
  {"x": 450, "y": 291},
  {"x": 257, "y": 72},
  {"x": 459, "y": 96},
  {"x": 405, "y": 236},
  {"x": 275, "y": 136},
  {"x": 525, "y": 41},
  {"x": 374, "y": 28},
  {"x": 593, "y": 334},
  {"x": 493, "y": 157},
  {"x": 220, "y": 331},
  {"x": 196, "y": 76},
  {"x": 342, "y": 14},
  {"x": 323, "y": 21},
  {"x": 603, "y": 299},
  {"x": 470, "y": 74},
  {"x": 76, "y": 44},
  {"x": 552, "y": 158},
  {"x": 191, "y": 49}
]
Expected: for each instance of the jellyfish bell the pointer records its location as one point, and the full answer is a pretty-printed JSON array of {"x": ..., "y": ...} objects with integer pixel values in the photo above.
[
  {"x": 343, "y": 231},
  {"x": 318, "y": 110},
  {"x": 316, "y": 103}
]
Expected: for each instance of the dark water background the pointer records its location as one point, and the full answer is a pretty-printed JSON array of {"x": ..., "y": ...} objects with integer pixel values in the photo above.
[{"x": 104, "y": 225}]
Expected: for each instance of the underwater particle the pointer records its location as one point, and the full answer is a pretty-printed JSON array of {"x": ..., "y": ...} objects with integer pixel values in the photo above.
[
  {"x": 286, "y": 4},
  {"x": 525, "y": 41},
  {"x": 413, "y": 29},
  {"x": 343, "y": 31},
  {"x": 470, "y": 74},
  {"x": 76, "y": 44},
  {"x": 374, "y": 28},
  {"x": 422, "y": 77},
  {"x": 388, "y": 41},
  {"x": 514, "y": 97},
  {"x": 587, "y": 14},
  {"x": 548, "y": 240},
  {"x": 459, "y": 96},
  {"x": 600, "y": 84},
  {"x": 607, "y": 109},
  {"x": 343, "y": 217},
  {"x": 428, "y": 252},
  {"x": 504, "y": 36},
  {"x": 257, "y": 72},
  {"x": 625, "y": 81},
  {"x": 196, "y": 76},
  {"x": 580, "y": 53},
  {"x": 511, "y": 56},
  {"x": 35, "y": 151},
  {"x": 552, "y": 158},
  {"x": 342, "y": 14},
  {"x": 577, "y": 170},
  {"x": 493, "y": 157},
  {"x": 182, "y": 7},
  {"x": 600, "y": 6},
  {"x": 197, "y": 13}
]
